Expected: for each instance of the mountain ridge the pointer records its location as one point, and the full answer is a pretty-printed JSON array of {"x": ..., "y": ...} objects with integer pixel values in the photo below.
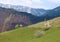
[
  {"x": 33, "y": 11},
  {"x": 24, "y": 17},
  {"x": 9, "y": 22}
]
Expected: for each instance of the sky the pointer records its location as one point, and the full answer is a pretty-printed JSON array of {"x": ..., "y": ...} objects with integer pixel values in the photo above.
[{"x": 45, "y": 4}]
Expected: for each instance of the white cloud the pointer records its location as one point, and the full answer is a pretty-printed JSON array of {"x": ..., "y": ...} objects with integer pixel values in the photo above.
[
  {"x": 54, "y": 1},
  {"x": 33, "y": 3},
  {"x": 21, "y": 2},
  {"x": 25, "y": 3},
  {"x": 29, "y": 2},
  {"x": 8, "y": 1},
  {"x": 37, "y": 1},
  {"x": 17, "y": 2}
]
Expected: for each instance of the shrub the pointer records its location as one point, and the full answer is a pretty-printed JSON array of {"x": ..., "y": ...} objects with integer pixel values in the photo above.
[
  {"x": 17, "y": 26},
  {"x": 39, "y": 33}
]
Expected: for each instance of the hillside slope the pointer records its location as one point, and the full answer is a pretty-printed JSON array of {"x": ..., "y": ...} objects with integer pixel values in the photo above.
[
  {"x": 55, "y": 23},
  {"x": 9, "y": 18},
  {"x": 27, "y": 34}
]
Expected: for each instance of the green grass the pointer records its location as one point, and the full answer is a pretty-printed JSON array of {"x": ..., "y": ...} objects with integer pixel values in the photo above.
[{"x": 27, "y": 34}]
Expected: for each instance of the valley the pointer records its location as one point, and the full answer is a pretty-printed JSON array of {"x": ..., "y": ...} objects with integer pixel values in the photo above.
[{"x": 19, "y": 24}]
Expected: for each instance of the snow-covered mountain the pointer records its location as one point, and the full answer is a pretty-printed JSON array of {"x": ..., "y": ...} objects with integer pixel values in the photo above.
[{"x": 37, "y": 12}]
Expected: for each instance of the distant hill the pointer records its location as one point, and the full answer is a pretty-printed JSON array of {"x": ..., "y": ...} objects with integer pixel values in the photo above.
[
  {"x": 27, "y": 34},
  {"x": 52, "y": 13},
  {"x": 10, "y": 17}
]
